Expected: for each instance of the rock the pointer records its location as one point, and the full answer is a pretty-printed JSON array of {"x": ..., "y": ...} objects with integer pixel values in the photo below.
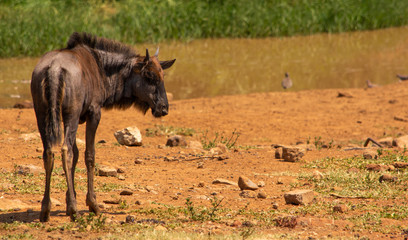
[
  {"x": 138, "y": 161},
  {"x": 279, "y": 181},
  {"x": 29, "y": 169},
  {"x": 201, "y": 184},
  {"x": 247, "y": 194},
  {"x": 139, "y": 202},
  {"x": 176, "y": 141},
  {"x": 10, "y": 204},
  {"x": 298, "y": 197},
  {"x": 130, "y": 219},
  {"x": 261, "y": 184},
  {"x": 278, "y": 153},
  {"x": 223, "y": 147},
  {"x": 121, "y": 177},
  {"x": 195, "y": 145},
  {"x": 286, "y": 221},
  {"x": 307, "y": 147},
  {"x": 400, "y": 142},
  {"x": 216, "y": 151},
  {"x": 341, "y": 208},
  {"x": 107, "y": 171},
  {"x": 224, "y": 181},
  {"x": 101, "y": 141},
  {"x": 120, "y": 170},
  {"x": 111, "y": 201},
  {"x": 200, "y": 165},
  {"x": 386, "y": 142},
  {"x": 262, "y": 195},
  {"x": 29, "y": 136},
  {"x": 160, "y": 228},
  {"x": 370, "y": 154},
  {"x": 55, "y": 202},
  {"x": 400, "y": 164},
  {"x": 245, "y": 184},
  {"x": 292, "y": 154},
  {"x": 126, "y": 192},
  {"x": 376, "y": 167},
  {"x": 236, "y": 223},
  {"x": 129, "y": 136},
  {"x": 275, "y": 205},
  {"x": 344, "y": 95},
  {"x": 80, "y": 142},
  {"x": 24, "y": 104},
  {"x": 317, "y": 175},
  {"x": 387, "y": 178}
]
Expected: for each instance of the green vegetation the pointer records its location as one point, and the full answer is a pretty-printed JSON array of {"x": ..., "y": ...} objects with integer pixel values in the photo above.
[
  {"x": 229, "y": 142},
  {"x": 31, "y": 27},
  {"x": 161, "y": 130},
  {"x": 359, "y": 182}
]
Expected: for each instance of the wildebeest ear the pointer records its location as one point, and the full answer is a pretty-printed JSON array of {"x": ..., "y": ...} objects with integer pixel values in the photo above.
[{"x": 167, "y": 64}]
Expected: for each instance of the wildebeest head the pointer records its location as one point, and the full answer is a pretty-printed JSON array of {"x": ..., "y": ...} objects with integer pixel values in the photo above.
[{"x": 148, "y": 86}]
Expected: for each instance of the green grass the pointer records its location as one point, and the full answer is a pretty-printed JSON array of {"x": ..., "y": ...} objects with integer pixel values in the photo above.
[
  {"x": 162, "y": 130},
  {"x": 31, "y": 27}
]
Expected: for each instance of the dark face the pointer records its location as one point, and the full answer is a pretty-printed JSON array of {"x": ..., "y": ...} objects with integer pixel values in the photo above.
[{"x": 149, "y": 86}]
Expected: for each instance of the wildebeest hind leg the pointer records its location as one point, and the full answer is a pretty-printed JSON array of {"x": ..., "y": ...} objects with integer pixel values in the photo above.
[
  {"x": 67, "y": 164},
  {"x": 48, "y": 157}
]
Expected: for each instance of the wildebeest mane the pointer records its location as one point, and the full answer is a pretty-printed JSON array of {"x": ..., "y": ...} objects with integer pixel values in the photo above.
[{"x": 100, "y": 43}]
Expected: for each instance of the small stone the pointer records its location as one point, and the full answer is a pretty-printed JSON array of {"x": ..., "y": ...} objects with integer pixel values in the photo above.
[
  {"x": 126, "y": 192},
  {"x": 279, "y": 181},
  {"x": 401, "y": 142},
  {"x": 307, "y": 147},
  {"x": 216, "y": 151},
  {"x": 292, "y": 154},
  {"x": 160, "y": 228},
  {"x": 29, "y": 169},
  {"x": 129, "y": 136},
  {"x": 391, "y": 167},
  {"x": 317, "y": 175},
  {"x": 401, "y": 164},
  {"x": 387, "y": 178},
  {"x": 139, "y": 202},
  {"x": 176, "y": 141},
  {"x": 107, "y": 171},
  {"x": 278, "y": 153},
  {"x": 247, "y": 194},
  {"x": 130, "y": 219},
  {"x": 200, "y": 165},
  {"x": 275, "y": 205},
  {"x": 245, "y": 183},
  {"x": 262, "y": 195},
  {"x": 195, "y": 145},
  {"x": 286, "y": 221},
  {"x": 341, "y": 208},
  {"x": 376, "y": 167},
  {"x": 38, "y": 150},
  {"x": 121, "y": 177},
  {"x": 102, "y": 141},
  {"x": 201, "y": 184},
  {"x": 298, "y": 197},
  {"x": 111, "y": 201},
  {"x": 120, "y": 170},
  {"x": 261, "y": 184},
  {"x": 224, "y": 181},
  {"x": 236, "y": 223},
  {"x": 386, "y": 142},
  {"x": 223, "y": 147},
  {"x": 29, "y": 136},
  {"x": 55, "y": 202},
  {"x": 138, "y": 161},
  {"x": 370, "y": 154}
]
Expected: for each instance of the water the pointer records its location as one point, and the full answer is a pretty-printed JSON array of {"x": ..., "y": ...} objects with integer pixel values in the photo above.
[{"x": 211, "y": 67}]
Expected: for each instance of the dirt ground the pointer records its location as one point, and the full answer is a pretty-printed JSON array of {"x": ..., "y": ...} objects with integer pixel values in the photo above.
[{"x": 261, "y": 119}]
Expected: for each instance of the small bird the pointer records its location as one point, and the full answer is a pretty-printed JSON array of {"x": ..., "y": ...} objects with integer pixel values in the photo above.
[
  {"x": 402, "y": 78},
  {"x": 287, "y": 82},
  {"x": 371, "y": 85}
]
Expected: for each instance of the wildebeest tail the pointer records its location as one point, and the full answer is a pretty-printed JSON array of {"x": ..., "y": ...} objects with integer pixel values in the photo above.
[{"x": 53, "y": 86}]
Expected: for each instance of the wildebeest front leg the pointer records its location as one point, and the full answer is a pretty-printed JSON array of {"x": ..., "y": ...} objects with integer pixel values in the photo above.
[
  {"x": 91, "y": 126},
  {"x": 48, "y": 157}
]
